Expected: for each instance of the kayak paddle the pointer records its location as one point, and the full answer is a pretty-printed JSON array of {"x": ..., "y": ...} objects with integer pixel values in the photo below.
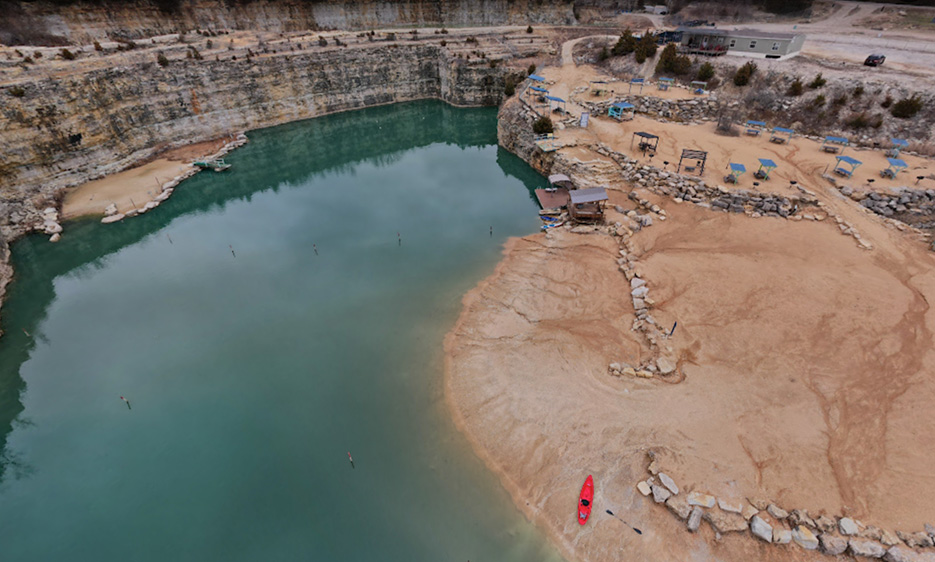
[{"x": 611, "y": 513}]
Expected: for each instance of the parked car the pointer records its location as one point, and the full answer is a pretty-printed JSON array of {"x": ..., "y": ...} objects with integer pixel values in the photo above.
[{"x": 874, "y": 60}]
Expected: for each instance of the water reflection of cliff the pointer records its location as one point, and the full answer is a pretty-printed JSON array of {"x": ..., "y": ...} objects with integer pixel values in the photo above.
[{"x": 327, "y": 145}]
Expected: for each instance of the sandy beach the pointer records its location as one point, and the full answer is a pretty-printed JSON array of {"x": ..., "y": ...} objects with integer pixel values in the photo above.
[
  {"x": 804, "y": 359},
  {"x": 789, "y": 393},
  {"x": 131, "y": 188}
]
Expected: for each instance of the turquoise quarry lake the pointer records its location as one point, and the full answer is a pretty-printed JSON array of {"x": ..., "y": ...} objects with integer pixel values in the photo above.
[{"x": 253, "y": 364}]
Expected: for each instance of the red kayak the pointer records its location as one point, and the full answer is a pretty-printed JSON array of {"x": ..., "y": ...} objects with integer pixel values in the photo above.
[{"x": 584, "y": 502}]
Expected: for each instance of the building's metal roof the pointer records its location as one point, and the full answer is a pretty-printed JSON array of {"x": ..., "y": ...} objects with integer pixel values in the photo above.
[
  {"x": 756, "y": 34},
  {"x": 590, "y": 195},
  {"x": 702, "y": 31},
  {"x": 739, "y": 33},
  {"x": 555, "y": 178}
]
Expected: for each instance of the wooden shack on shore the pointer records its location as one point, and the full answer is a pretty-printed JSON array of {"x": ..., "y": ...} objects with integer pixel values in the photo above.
[{"x": 587, "y": 205}]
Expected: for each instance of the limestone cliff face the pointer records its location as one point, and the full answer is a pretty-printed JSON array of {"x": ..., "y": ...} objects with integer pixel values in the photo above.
[
  {"x": 514, "y": 133},
  {"x": 67, "y": 130},
  {"x": 82, "y": 22}
]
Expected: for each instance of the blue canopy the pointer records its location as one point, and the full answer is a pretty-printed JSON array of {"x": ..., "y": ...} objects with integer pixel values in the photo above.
[
  {"x": 538, "y": 89},
  {"x": 897, "y": 163},
  {"x": 553, "y": 98},
  {"x": 737, "y": 168},
  {"x": 849, "y": 160},
  {"x": 637, "y": 80},
  {"x": 783, "y": 130},
  {"x": 838, "y": 140},
  {"x": 757, "y": 123},
  {"x": 664, "y": 79},
  {"x": 623, "y": 105},
  {"x": 767, "y": 163},
  {"x": 536, "y": 77},
  {"x": 900, "y": 142}
]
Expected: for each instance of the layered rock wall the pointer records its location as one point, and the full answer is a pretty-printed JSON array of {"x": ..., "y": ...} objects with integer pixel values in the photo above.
[
  {"x": 83, "y": 22},
  {"x": 67, "y": 130}
]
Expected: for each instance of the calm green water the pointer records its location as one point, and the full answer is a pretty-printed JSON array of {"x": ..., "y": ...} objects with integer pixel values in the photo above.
[{"x": 251, "y": 376}]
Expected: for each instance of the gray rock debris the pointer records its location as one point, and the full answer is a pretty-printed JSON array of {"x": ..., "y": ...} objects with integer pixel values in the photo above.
[
  {"x": 776, "y": 511},
  {"x": 761, "y": 529},
  {"x": 868, "y": 548},
  {"x": 915, "y": 540},
  {"x": 782, "y": 536},
  {"x": 678, "y": 505},
  {"x": 833, "y": 545},
  {"x": 903, "y": 554},
  {"x": 724, "y": 522},
  {"x": 694, "y": 519},
  {"x": 701, "y": 499},
  {"x": 848, "y": 526},
  {"x": 804, "y": 537},
  {"x": 660, "y": 494},
  {"x": 666, "y": 480}
]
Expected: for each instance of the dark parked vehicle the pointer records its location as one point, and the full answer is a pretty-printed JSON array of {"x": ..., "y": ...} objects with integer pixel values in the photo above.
[
  {"x": 874, "y": 60},
  {"x": 664, "y": 37}
]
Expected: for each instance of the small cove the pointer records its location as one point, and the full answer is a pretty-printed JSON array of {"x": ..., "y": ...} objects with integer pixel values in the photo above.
[{"x": 264, "y": 322}]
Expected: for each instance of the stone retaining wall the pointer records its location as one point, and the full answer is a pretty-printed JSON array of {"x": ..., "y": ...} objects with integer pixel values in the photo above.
[
  {"x": 703, "y": 108},
  {"x": 767, "y": 522}
]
